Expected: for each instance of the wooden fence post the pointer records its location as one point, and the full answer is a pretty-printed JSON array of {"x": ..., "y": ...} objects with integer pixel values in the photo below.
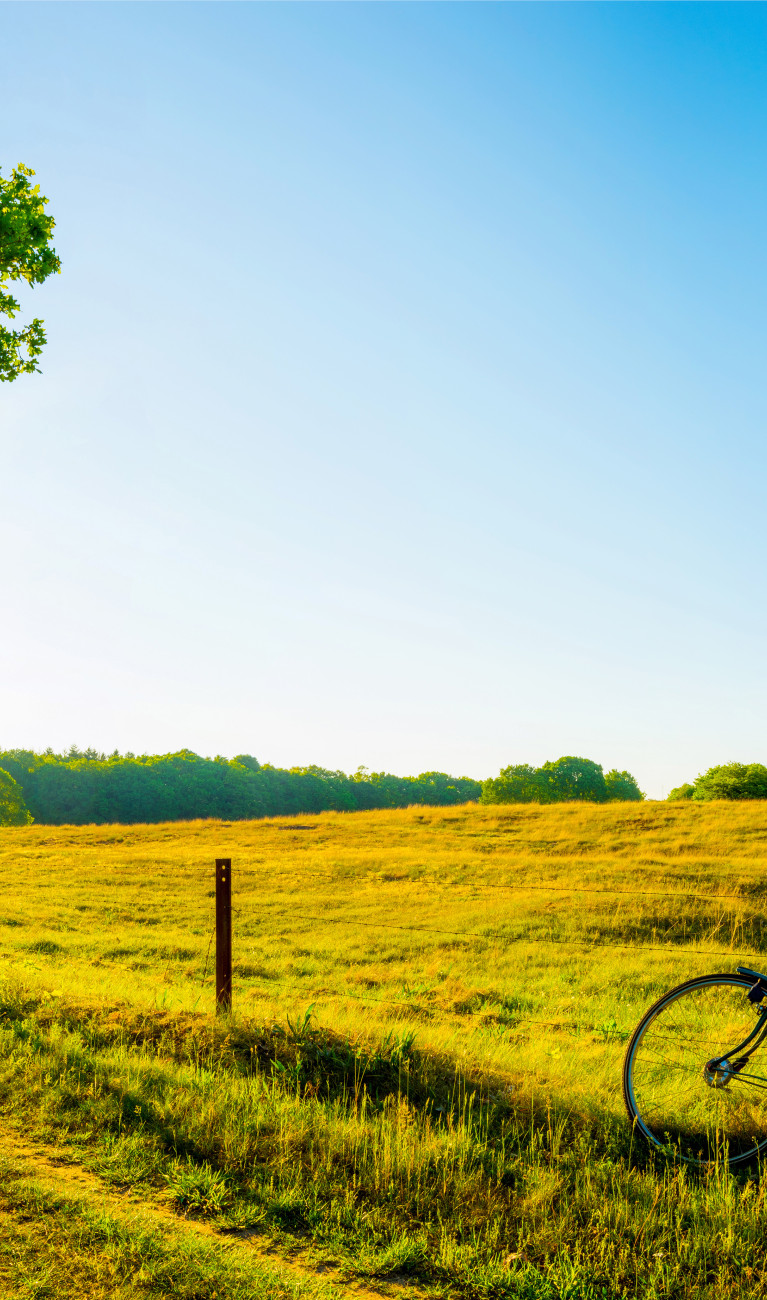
[{"x": 223, "y": 934}]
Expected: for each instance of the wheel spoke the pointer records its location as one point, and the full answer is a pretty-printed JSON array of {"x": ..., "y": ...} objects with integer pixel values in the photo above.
[{"x": 754, "y": 1080}]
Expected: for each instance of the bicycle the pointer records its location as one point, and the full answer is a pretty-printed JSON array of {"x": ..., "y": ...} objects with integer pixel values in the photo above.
[{"x": 689, "y": 1083}]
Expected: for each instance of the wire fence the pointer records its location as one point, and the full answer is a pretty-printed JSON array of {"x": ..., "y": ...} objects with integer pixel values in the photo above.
[
  {"x": 407, "y": 1003},
  {"x": 473, "y": 934},
  {"x": 523, "y": 887}
]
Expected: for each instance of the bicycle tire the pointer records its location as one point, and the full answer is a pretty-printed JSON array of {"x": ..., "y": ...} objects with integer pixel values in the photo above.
[{"x": 682, "y": 1092}]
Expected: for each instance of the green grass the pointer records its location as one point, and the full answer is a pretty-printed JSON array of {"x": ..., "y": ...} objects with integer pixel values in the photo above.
[
  {"x": 54, "y": 1248},
  {"x": 385, "y": 1163},
  {"x": 450, "y": 1110}
]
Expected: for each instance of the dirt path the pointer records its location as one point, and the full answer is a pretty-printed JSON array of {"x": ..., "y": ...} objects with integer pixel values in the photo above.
[{"x": 54, "y": 1171}]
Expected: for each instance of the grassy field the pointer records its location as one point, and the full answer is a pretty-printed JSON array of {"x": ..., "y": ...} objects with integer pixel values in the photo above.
[{"x": 420, "y": 1083}]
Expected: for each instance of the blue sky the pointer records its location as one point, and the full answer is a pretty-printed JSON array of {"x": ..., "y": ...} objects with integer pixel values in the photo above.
[{"x": 404, "y": 398}]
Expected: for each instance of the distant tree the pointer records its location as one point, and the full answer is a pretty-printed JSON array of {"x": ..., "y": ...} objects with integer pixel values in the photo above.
[
  {"x": 572, "y": 778},
  {"x": 621, "y": 785},
  {"x": 564, "y": 780},
  {"x": 25, "y": 254},
  {"x": 732, "y": 781},
  {"x": 519, "y": 783},
  {"x": 13, "y": 810},
  {"x": 686, "y": 791},
  {"x": 437, "y": 788}
]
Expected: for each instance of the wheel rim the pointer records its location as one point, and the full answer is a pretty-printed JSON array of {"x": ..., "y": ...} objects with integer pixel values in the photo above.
[{"x": 682, "y": 1089}]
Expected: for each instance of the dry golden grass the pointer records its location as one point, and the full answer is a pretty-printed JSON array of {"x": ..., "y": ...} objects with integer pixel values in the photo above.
[{"x": 522, "y": 940}]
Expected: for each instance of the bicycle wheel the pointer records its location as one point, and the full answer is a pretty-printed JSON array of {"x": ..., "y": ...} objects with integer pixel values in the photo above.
[{"x": 689, "y": 1081}]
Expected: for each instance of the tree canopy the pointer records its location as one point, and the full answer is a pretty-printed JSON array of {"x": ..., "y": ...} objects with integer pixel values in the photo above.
[
  {"x": 85, "y": 786},
  {"x": 684, "y": 791},
  {"x": 563, "y": 780},
  {"x": 25, "y": 254},
  {"x": 727, "y": 781},
  {"x": 621, "y": 785},
  {"x": 13, "y": 810}
]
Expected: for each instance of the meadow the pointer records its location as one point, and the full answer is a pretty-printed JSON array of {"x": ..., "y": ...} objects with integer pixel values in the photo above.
[{"x": 419, "y": 1086}]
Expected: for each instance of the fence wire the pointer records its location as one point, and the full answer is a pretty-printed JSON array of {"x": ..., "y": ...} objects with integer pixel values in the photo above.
[
  {"x": 662, "y": 948},
  {"x": 535, "y": 939},
  {"x": 564, "y": 889}
]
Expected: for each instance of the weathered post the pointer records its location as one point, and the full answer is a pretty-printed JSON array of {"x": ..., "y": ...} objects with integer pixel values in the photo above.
[{"x": 223, "y": 934}]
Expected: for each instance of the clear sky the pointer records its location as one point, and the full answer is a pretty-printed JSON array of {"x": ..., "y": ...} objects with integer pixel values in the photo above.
[{"x": 404, "y": 401}]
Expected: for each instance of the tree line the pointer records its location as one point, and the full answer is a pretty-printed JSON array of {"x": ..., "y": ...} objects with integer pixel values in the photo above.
[
  {"x": 85, "y": 787},
  {"x": 563, "y": 780}
]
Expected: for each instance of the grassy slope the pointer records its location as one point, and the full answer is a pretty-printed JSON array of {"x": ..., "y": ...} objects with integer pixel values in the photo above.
[{"x": 347, "y": 1132}]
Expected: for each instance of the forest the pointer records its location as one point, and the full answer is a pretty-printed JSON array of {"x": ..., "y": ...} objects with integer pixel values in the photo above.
[{"x": 84, "y": 787}]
